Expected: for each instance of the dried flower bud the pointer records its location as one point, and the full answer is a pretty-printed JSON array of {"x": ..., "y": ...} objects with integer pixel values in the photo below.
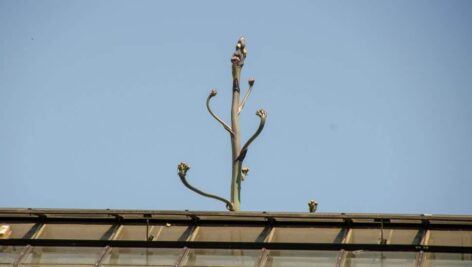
[
  {"x": 244, "y": 172},
  {"x": 240, "y": 53},
  {"x": 242, "y": 41},
  {"x": 312, "y": 205},
  {"x": 183, "y": 168},
  {"x": 261, "y": 113},
  {"x": 251, "y": 81},
  {"x": 213, "y": 93}
]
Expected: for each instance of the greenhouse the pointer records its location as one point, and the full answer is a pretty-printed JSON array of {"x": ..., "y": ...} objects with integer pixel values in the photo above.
[{"x": 34, "y": 237}]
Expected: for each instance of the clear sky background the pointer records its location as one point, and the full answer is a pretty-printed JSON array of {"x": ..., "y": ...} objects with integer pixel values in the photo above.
[{"x": 368, "y": 102}]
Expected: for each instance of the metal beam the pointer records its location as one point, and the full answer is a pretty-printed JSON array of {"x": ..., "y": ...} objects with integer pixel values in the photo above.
[
  {"x": 182, "y": 257},
  {"x": 112, "y": 232},
  {"x": 261, "y": 261},
  {"x": 232, "y": 222},
  {"x": 346, "y": 238},
  {"x": 21, "y": 256},
  {"x": 102, "y": 255},
  {"x": 421, "y": 256},
  {"x": 266, "y": 236},
  {"x": 255, "y": 215},
  {"x": 233, "y": 245}
]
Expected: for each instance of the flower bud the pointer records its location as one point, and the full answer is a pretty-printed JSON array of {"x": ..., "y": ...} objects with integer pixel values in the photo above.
[
  {"x": 261, "y": 113},
  {"x": 183, "y": 168}
]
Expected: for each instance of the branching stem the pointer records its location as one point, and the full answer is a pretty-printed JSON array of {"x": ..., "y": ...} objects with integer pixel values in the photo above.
[
  {"x": 246, "y": 96},
  {"x": 263, "y": 115},
  {"x": 212, "y": 94},
  {"x": 183, "y": 168},
  {"x": 238, "y": 154}
]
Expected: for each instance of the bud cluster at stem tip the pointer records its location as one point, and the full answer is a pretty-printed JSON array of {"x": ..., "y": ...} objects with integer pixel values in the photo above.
[
  {"x": 261, "y": 113},
  {"x": 240, "y": 54},
  {"x": 183, "y": 168}
]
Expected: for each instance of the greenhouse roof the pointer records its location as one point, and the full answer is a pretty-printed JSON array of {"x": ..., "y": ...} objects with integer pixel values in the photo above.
[{"x": 53, "y": 237}]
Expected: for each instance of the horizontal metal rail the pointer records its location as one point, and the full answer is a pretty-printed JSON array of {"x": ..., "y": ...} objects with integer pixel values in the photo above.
[
  {"x": 231, "y": 245},
  {"x": 255, "y": 215},
  {"x": 228, "y": 222}
]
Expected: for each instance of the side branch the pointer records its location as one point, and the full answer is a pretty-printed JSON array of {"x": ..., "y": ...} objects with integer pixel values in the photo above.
[
  {"x": 246, "y": 96},
  {"x": 263, "y": 115},
  {"x": 183, "y": 168},
  {"x": 212, "y": 94}
]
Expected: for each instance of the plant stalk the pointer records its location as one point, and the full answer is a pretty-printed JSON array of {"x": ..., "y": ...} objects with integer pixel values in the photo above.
[{"x": 236, "y": 140}]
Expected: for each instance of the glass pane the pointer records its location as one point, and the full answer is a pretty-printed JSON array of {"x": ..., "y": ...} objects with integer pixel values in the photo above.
[
  {"x": 55, "y": 265},
  {"x": 222, "y": 257},
  {"x": 384, "y": 259},
  {"x": 306, "y": 235},
  {"x": 449, "y": 259},
  {"x": 62, "y": 255},
  {"x": 14, "y": 230},
  {"x": 392, "y": 236},
  {"x": 73, "y": 231},
  {"x": 228, "y": 233},
  {"x": 8, "y": 254},
  {"x": 142, "y": 256},
  {"x": 136, "y": 232},
  {"x": 156, "y": 232},
  {"x": 297, "y": 258},
  {"x": 173, "y": 233},
  {"x": 450, "y": 238}
]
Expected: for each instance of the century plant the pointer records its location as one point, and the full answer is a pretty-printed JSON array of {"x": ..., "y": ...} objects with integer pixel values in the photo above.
[{"x": 238, "y": 172}]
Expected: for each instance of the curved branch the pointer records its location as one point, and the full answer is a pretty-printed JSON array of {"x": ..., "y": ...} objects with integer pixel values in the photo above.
[
  {"x": 183, "y": 168},
  {"x": 263, "y": 115},
  {"x": 212, "y": 94},
  {"x": 246, "y": 96}
]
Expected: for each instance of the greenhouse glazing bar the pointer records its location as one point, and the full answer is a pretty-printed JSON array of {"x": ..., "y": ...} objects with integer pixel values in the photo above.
[{"x": 232, "y": 245}]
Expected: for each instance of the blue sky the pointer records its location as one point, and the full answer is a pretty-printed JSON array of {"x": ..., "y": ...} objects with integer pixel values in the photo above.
[{"x": 368, "y": 104}]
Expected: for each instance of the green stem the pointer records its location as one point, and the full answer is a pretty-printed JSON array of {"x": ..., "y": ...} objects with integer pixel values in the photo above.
[
  {"x": 263, "y": 115},
  {"x": 235, "y": 141},
  {"x": 212, "y": 94},
  {"x": 183, "y": 168}
]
